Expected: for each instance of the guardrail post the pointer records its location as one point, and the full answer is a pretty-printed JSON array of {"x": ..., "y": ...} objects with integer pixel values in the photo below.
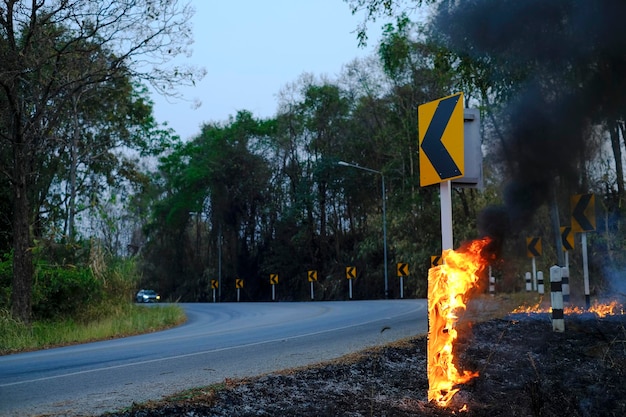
[
  {"x": 565, "y": 283},
  {"x": 556, "y": 297}
]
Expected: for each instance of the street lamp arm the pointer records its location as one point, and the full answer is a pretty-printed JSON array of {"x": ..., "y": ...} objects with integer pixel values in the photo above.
[{"x": 347, "y": 164}]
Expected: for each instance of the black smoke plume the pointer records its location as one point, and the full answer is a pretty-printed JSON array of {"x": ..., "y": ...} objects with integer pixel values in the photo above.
[{"x": 560, "y": 67}]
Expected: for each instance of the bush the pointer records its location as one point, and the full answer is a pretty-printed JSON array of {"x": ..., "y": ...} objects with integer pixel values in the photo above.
[
  {"x": 6, "y": 277},
  {"x": 63, "y": 292},
  {"x": 89, "y": 289}
]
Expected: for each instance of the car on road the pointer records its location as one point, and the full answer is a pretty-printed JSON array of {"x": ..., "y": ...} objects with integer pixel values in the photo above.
[{"x": 147, "y": 296}]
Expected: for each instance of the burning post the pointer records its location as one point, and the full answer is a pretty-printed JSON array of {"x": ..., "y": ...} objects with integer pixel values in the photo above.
[{"x": 449, "y": 285}]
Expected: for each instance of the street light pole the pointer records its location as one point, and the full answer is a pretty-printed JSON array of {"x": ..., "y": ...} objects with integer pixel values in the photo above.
[{"x": 346, "y": 164}]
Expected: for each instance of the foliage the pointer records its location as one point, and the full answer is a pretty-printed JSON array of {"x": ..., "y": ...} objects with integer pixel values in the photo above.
[
  {"x": 73, "y": 290},
  {"x": 63, "y": 292},
  {"x": 69, "y": 105},
  {"x": 251, "y": 197},
  {"x": 75, "y": 303},
  {"x": 128, "y": 320}
]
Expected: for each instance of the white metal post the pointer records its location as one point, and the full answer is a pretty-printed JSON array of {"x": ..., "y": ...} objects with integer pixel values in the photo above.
[
  {"x": 565, "y": 274},
  {"x": 350, "y": 288},
  {"x": 534, "y": 274},
  {"x": 446, "y": 215},
  {"x": 585, "y": 268},
  {"x": 401, "y": 287},
  {"x": 312, "y": 294}
]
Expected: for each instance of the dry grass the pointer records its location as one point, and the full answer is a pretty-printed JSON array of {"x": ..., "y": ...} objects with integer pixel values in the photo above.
[{"x": 120, "y": 322}]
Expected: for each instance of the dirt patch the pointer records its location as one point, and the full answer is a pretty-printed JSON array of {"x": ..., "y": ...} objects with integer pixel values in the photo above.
[{"x": 525, "y": 369}]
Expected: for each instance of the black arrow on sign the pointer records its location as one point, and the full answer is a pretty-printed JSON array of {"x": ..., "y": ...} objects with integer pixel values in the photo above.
[
  {"x": 564, "y": 235},
  {"x": 579, "y": 213},
  {"x": 532, "y": 246},
  {"x": 351, "y": 272},
  {"x": 432, "y": 146}
]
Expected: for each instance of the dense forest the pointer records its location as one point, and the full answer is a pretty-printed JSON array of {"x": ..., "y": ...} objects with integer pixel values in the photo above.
[{"x": 92, "y": 177}]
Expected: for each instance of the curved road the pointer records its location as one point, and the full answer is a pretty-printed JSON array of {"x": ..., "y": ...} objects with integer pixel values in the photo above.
[{"x": 226, "y": 340}]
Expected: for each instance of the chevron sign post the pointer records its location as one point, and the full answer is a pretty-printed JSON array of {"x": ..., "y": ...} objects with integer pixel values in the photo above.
[
  {"x": 312, "y": 277},
  {"x": 403, "y": 271},
  {"x": 567, "y": 243},
  {"x": 441, "y": 155},
  {"x": 533, "y": 249},
  {"x": 583, "y": 221}
]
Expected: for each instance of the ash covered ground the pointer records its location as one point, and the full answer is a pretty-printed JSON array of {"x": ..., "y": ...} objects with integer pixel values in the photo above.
[{"x": 525, "y": 369}]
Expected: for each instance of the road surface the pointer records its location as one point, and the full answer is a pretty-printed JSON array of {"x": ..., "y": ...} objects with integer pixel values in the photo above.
[{"x": 225, "y": 340}]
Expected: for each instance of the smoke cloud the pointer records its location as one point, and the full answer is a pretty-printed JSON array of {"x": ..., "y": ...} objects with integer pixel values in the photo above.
[{"x": 560, "y": 65}]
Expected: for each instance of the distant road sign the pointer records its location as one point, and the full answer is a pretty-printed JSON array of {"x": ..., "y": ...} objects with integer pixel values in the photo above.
[
  {"x": 214, "y": 284},
  {"x": 273, "y": 279},
  {"x": 567, "y": 238},
  {"x": 238, "y": 283},
  {"x": 441, "y": 156},
  {"x": 351, "y": 272},
  {"x": 533, "y": 247},
  {"x": 403, "y": 269},
  {"x": 435, "y": 261},
  {"x": 312, "y": 275},
  {"x": 583, "y": 213}
]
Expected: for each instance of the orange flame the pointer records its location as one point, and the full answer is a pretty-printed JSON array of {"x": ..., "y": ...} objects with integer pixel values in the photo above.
[
  {"x": 448, "y": 288},
  {"x": 611, "y": 308}
]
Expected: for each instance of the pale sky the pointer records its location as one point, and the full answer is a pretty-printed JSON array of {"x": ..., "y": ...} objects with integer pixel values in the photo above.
[{"x": 251, "y": 49}]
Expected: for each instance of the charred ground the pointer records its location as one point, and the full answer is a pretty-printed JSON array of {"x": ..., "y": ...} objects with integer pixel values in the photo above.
[{"x": 525, "y": 369}]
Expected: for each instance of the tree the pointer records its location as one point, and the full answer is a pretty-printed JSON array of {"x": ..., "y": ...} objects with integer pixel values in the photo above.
[
  {"x": 52, "y": 51},
  {"x": 374, "y": 9}
]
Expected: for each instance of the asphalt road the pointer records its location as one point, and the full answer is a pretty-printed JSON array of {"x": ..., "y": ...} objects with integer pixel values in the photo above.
[{"x": 227, "y": 340}]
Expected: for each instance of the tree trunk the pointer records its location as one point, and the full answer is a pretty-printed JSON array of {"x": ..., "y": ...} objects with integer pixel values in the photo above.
[
  {"x": 21, "y": 306},
  {"x": 73, "y": 169},
  {"x": 617, "y": 156}
]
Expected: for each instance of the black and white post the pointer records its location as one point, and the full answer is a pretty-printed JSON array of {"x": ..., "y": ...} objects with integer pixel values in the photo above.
[{"x": 556, "y": 297}]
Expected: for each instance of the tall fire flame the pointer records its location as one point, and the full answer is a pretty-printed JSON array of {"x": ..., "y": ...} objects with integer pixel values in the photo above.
[{"x": 449, "y": 285}]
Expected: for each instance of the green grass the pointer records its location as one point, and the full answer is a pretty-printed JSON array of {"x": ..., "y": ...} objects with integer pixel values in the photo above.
[{"x": 119, "y": 321}]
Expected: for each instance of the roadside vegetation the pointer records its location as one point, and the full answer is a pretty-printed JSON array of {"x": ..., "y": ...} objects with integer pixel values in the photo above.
[
  {"x": 88, "y": 171},
  {"x": 82, "y": 302}
]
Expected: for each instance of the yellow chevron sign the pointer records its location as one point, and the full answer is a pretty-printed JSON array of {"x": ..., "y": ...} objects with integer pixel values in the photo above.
[
  {"x": 214, "y": 284},
  {"x": 312, "y": 275},
  {"x": 402, "y": 269},
  {"x": 441, "y": 141},
  {"x": 583, "y": 213},
  {"x": 238, "y": 283},
  {"x": 533, "y": 247},
  {"x": 567, "y": 238},
  {"x": 351, "y": 272},
  {"x": 273, "y": 279},
  {"x": 435, "y": 261}
]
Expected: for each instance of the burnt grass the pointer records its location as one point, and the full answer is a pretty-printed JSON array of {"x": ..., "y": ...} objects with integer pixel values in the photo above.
[{"x": 525, "y": 369}]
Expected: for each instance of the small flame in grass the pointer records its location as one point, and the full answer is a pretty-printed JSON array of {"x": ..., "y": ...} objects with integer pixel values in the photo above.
[
  {"x": 448, "y": 290},
  {"x": 602, "y": 310},
  {"x": 611, "y": 308}
]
